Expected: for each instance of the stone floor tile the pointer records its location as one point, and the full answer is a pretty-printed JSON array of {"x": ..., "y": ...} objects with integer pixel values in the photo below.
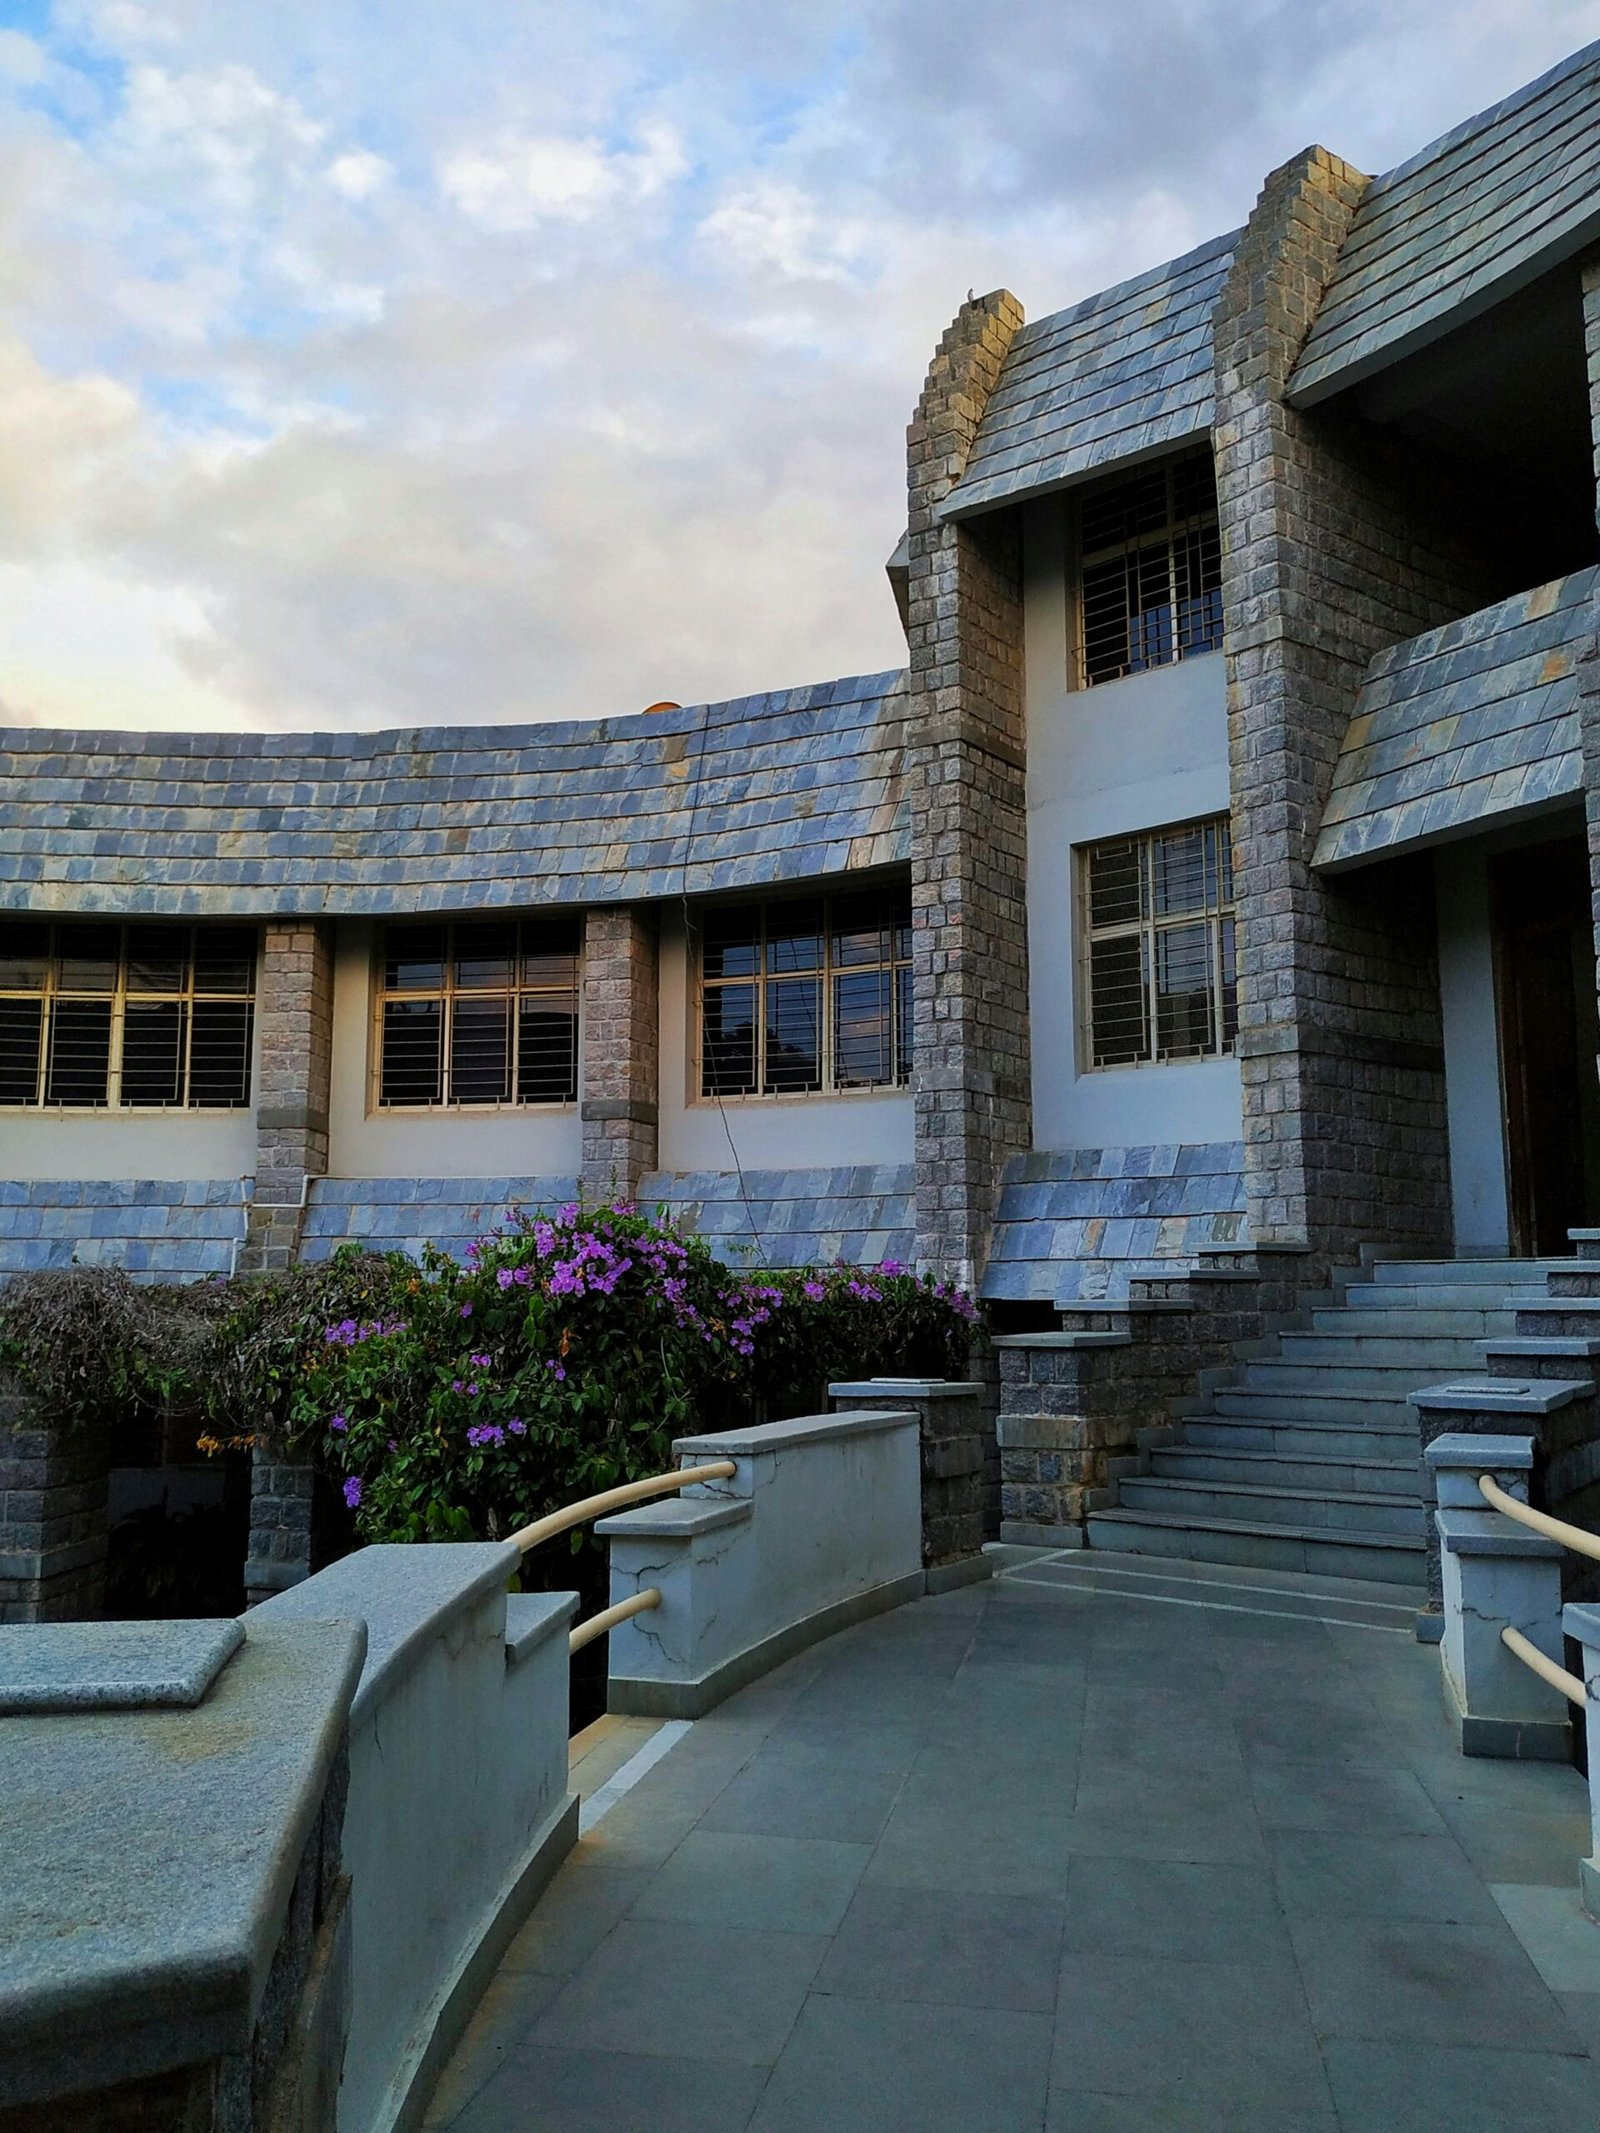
[
  {"x": 992, "y": 1775},
  {"x": 1212, "y": 1836},
  {"x": 987, "y": 1854},
  {"x": 1559, "y": 1937},
  {"x": 1371, "y": 1799},
  {"x": 572, "y": 1917},
  {"x": 1236, "y": 2033},
  {"x": 1171, "y": 1908},
  {"x": 702, "y": 1992},
  {"x": 1421, "y": 2088},
  {"x": 1301, "y": 1730},
  {"x": 769, "y": 1884},
  {"x": 878, "y": 2066},
  {"x": 1323, "y": 1873},
  {"x": 1505, "y": 1845},
  {"x": 541, "y": 2091},
  {"x": 945, "y": 1946},
  {"x": 1582, "y": 2010},
  {"x": 1075, "y": 2111},
  {"x": 1454, "y": 1780},
  {"x": 1426, "y": 1981},
  {"x": 802, "y": 1790},
  {"x": 501, "y": 2021}
]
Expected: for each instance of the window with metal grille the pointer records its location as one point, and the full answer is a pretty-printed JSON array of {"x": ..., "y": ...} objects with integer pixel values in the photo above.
[
  {"x": 103, "y": 1016},
  {"x": 1150, "y": 561},
  {"x": 806, "y": 996},
  {"x": 1160, "y": 979},
  {"x": 479, "y": 1011}
]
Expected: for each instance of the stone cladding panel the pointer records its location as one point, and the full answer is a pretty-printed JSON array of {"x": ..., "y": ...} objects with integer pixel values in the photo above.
[
  {"x": 1589, "y": 683},
  {"x": 282, "y": 1501},
  {"x": 1328, "y": 557},
  {"x": 965, "y": 783},
  {"x": 53, "y": 1528},
  {"x": 621, "y": 1049}
]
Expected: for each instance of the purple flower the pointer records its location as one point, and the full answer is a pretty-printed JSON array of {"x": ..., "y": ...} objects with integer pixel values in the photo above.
[
  {"x": 339, "y": 1424},
  {"x": 561, "y": 1375},
  {"x": 505, "y": 1277},
  {"x": 891, "y": 1266},
  {"x": 486, "y": 1433},
  {"x": 466, "y": 1310},
  {"x": 814, "y": 1291},
  {"x": 480, "y": 1362},
  {"x": 517, "y": 1426},
  {"x": 352, "y": 1492}
]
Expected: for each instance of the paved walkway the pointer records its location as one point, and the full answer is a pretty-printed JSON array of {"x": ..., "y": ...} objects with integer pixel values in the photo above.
[{"x": 1102, "y": 1847}]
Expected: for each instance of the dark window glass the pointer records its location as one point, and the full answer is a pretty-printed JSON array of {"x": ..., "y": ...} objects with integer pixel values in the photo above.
[
  {"x": 21, "y": 1034},
  {"x": 87, "y": 957},
  {"x": 485, "y": 957},
  {"x": 224, "y": 959},
  {"x": 1117, "y": 1001},
  {"x": 80, "y": 1052},
  {"x": 1150, "y": 582},
  {"x": 547, "y": 1050},
  {"x": 1160, "y": 948},
  {"x": 412, "y": 1068},
  {"x": 794, "y": 1036},
  {"x": 24, "y": 955},
  {"x": 730, "y": 1040},
  {"x": 903, "y": 1025},
  {"x": 730, "y": 940},
  {"x": 1116, "y": 882},
  {"x": 158, "y": 959},
  {"x": 863, "y": 1028},
  {"x": 794, "y": 938},
  {"x": 480, "y": 1049},
  {"x": 219, "y": 1053},
  {"x": 153, "y": 1035},
  {"x": 550, "y": 951},
  {"x": 414, "y": 959}
]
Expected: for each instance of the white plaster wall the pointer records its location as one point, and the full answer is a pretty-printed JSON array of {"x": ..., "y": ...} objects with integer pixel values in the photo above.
[
  {"x": 161, "y": 1146},
  {"x": 364, "y": 1142},
  {"x": 1129, "y": 755},
  {"x": 762, "y": 1132},
  {"x": 1471, "y": 1050}
]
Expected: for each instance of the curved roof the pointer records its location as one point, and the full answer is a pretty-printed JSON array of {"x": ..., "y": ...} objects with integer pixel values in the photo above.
[
  {"x": 1474, "y": 217},
  {"x": 760, "y": 790},
  {"x": 1121, "y": 375}
]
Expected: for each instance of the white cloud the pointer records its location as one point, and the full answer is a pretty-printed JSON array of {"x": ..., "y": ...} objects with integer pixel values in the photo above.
[
  {"x": 58, "y": 437},
  {"x": 359, "y": 174},
  {"x": 521, "y": 181},
  {"x": 21, "y": 60},
  {"x": 774, "y": 227}
]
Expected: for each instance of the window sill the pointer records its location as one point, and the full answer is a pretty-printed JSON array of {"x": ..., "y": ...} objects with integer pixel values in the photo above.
[
  {"x": 804, "y": 1098},
  {"x": 495, "y": 1110}
]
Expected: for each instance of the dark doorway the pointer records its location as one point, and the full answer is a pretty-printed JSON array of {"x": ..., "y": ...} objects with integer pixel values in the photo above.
[{"x": 1549, "y": 1039}]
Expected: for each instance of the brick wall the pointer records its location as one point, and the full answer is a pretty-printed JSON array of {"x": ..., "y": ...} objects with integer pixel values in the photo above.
[
  {"x": 621, "y": 1047},
  {"x": 965, "y": 782},
  {"x": 53, "y": 1528},
  {"x": 1589, "y": 704},
  {"x": 1333, "y": 548},
  {"x": 295, "y": 1018}
]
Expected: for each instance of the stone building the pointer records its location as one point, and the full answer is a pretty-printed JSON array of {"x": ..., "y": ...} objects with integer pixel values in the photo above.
[{"x": 1206, "y": 905}]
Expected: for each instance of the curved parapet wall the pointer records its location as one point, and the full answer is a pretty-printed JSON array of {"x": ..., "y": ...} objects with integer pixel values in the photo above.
[{"x": 761, "y": 790}]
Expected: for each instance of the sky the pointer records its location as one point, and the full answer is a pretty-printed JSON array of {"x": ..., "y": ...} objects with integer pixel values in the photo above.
[{"x": 382, "y": 362}]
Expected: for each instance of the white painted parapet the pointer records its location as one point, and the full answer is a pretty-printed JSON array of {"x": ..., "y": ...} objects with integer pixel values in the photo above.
[
  {"x": 1583, "y": 1623},
  {"x": 458, "y": 1812},
  {"x": 819, "y": 1526},
  {"x": 1496, "y": 1575}
]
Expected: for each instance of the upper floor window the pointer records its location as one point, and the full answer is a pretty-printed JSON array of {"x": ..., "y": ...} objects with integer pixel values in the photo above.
[
  {"x": 806, "y": 995},
  {"x": 104, "y": 1016},
  {"x": 479, "y": 1011},
  {"x": 1158, "y": 945},
  {"x": 1151, "y": 570}
]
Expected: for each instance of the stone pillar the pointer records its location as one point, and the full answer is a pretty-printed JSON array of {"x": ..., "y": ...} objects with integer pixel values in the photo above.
[
  {"x": 957, "y": 1435},
  {"x": 965, "y": 766},
  {"x": 295, "y": 1017},
  {"x": 282, "y": 1497},
  {"x": 1497, "y": 1575},
  {"x": 1332, "y": 549},
  {"x": 1582, "y": 1624},
  {"x": 1589, "y": 698},
  {"x": 53, "y": 1529},
  {"x": 621, "y": 1049}
]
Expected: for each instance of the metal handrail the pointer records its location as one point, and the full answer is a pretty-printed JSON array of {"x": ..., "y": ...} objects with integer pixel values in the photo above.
[
  {"x": 1547, "y": 1670},
  {"x": 580, "y": 1513},
  {"x": 587, "y": 1507},
  {"x": 1573, "y": 1537},
  {"x": 597, "y": 1625}
]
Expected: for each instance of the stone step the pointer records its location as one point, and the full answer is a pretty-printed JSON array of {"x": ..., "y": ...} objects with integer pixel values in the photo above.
[
  {"x": 1559, "y": 1314},
  {"x": 1397, "y": 1297},
  {"x": 1429, "y": 1352},
  {"x": 1323, "y": 1379},
  {"x": 1397, "y": 1445},
  {"x": 1466, "y": 1322},
  {"x": 1349, "y": 1410},
  {"x": 1259, "y": 1503},
  {"x": 1365, "y": 1475},
  {"x": 1382, "y": 1558},
  {"x": 1583, "y": 1282},
  {"x": 1521, "y": 1273}
]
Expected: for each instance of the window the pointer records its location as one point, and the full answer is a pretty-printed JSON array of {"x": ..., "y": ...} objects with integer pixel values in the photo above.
[
  {"x": 102, "y": 1016},
  {"x": 806, "y": 996},
  {"x": 1151, "y": 564},
  {"x": 1158, "y": 947},
  {"x": 479, "y": 1011}
]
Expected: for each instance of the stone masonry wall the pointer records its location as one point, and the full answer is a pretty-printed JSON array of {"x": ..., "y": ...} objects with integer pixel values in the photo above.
[
  {"x": 53, "y": 1530},
  {"x": 295, "y": 1018},
  {"x": 1589, "y": 711},
  {"x": 965, "y": 764},
  {"x": 1332, "y": 548},
  {"x": 621, "y": 1049},
  {"x": 282, "y": 1500}
]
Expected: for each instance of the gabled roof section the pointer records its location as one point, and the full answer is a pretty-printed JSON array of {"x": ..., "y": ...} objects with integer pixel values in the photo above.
[
  {"x": 1478, "y": 215},
  {"x": 1119, "y": 376},
  {"x": 1465, "y": 725},
  {"x": 762, "y": 790}
]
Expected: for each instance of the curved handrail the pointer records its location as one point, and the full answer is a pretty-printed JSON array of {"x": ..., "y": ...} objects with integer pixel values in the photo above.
[
  {"x": 1547, "y": 1670},
  {"x": 579, "y": 1514},
  {"x": 1573, "y": 1537},
  {"x": 597, "y": 1625}
]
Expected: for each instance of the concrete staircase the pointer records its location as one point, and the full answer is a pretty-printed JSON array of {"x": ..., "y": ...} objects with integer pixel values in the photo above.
[{"x": 1306, "y": 1455}]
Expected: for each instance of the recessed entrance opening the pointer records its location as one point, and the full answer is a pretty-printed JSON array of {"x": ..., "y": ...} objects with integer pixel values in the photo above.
[{"x": 1549, "y": 1042}]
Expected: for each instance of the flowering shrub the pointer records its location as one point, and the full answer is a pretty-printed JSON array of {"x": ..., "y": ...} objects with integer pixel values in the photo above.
[{"x": 565, "y": 1356}]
